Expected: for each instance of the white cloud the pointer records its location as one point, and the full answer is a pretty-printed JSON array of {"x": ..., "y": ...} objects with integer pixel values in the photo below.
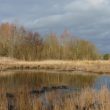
[
  {"x": 76, "y": 6},
  {"x": 52, "y": 21},
  {"x": 86, "y": 5},
  {"x": 97, "y": 3},
  {"x": 46, "y": 21}
]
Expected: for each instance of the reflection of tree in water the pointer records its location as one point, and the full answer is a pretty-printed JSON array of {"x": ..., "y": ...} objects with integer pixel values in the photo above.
[{"x": 34, "y": 79}]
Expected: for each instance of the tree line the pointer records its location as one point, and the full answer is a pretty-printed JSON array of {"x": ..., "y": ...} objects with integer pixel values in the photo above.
[{"x": 21, "y": 43}]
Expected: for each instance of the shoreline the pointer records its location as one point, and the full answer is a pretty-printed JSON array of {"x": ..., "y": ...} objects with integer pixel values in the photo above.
[{"x": 96, "y": 67}]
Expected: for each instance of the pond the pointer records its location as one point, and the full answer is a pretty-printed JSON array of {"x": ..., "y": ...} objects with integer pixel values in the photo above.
[
  {"x": 100, "y": 81},
  {"x": 36, "y": 79},
  {"x": 29, "y": 88}
]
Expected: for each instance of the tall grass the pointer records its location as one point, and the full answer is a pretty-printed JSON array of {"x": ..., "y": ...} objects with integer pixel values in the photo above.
[
  {"x": 100, "y": 67},
  {"x": 88, "y": 99}
]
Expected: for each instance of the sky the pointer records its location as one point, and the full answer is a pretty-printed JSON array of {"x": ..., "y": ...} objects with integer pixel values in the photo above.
[{"x": 89, "y": 19}]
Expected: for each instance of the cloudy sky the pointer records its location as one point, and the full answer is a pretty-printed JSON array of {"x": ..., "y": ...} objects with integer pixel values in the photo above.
[{"x": 88, "y": 19}]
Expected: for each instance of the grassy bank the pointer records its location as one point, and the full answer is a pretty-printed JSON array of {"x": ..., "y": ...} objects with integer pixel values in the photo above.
[{"x": 99, "y": 66}]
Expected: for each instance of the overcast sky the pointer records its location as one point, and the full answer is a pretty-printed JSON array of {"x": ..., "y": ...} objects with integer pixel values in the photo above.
[{"x": 88, "y": 19}]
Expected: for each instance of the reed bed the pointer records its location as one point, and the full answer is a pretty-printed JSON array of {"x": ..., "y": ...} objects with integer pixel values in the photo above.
[
  {"x": 87, "y": 99},
  {"x": 99, "y": 66}
]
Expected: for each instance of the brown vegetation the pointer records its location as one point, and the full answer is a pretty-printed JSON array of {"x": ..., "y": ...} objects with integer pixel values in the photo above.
[
  {"x": 99, "y": 66},
  {"x": 40, "y": 91},
  {"x": 18, "y": 42},
  {"x": 36, "y": 91},
  {"x": 87, "y": 99},
  {"x": 21, "y": 49}
]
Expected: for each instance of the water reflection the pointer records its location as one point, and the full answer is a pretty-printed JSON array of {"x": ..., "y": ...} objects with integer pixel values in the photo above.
[
  {"x": 40, "y": 79},
  {"x": 103, "y": 80}
]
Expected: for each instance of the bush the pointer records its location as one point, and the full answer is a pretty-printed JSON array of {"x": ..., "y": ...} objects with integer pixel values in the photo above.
[{"x": 106, "y": 56}]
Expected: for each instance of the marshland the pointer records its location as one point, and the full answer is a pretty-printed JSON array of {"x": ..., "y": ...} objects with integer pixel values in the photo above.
[
  {"x": 51, "y": 72},
  {"x": 40, "y": 90}
]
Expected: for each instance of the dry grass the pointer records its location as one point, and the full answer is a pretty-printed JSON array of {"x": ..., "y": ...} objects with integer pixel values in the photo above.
[
  {"x": 87, "y": 99},
  {"x": 20, "y": 84},
  {"x": 99, "y": 66}
]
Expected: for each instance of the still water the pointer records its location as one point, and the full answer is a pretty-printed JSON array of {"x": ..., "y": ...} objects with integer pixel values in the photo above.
[
  {"x": 100, "y": 81},
  {"x": 44, "y": 79}
]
